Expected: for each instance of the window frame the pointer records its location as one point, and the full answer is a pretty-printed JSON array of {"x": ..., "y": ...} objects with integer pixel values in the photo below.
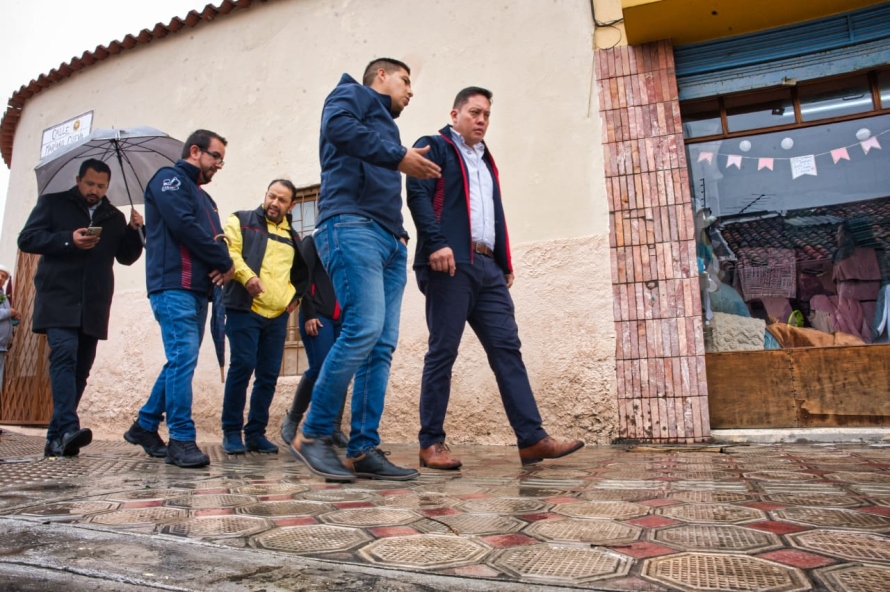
[{"x": 795, "y": 99}]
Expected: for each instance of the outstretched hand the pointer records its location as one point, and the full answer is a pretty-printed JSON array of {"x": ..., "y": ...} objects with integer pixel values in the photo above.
[{"x": 415, "y": 165}]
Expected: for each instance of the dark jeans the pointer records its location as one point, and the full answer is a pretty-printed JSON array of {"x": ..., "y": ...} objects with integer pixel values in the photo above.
[
  {"x": 317, "y": 347},
  {"x": 71, "y": 357},
  {"x": 256, "y": 345},
  {"x": 476, "y": 294}
]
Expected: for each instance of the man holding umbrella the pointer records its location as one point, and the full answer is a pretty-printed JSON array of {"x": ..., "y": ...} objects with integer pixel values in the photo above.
[
  {"x": 79, "y": 235},
  {"x": 185, "y": 259}
]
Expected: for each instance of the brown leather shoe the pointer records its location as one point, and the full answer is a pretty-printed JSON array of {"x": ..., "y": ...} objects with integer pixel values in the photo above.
[
  {"x": 548, "y": 447},
  {"x": 439, "y": 457}
]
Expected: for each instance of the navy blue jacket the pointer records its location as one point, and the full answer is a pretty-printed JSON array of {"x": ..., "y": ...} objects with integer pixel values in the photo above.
[
  {"x": 181, "y": 222},
  {"x": 441, "y": 207},
  {"x": 360, "y": 151}
]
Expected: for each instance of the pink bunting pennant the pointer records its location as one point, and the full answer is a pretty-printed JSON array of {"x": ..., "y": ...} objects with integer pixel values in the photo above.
[
  {"x": 839, "y": 154},
  {"x": 734, "y": 159},
  {"x": 705, "y": 156},
  {"x": 764, "y": 163},
  {"x": 870, "y": 143}
]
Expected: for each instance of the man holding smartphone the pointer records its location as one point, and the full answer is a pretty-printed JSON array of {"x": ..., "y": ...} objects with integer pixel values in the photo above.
[{"x": 74, "y": 286}]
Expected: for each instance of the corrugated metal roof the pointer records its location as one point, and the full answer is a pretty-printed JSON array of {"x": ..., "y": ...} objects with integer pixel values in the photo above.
[
  {"x": 17, "y": 101},
  {"x": 812, "y": 233}
]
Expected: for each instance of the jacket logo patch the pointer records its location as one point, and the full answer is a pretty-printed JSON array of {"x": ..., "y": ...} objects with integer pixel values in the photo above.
[{"x": 171, "y": 184}]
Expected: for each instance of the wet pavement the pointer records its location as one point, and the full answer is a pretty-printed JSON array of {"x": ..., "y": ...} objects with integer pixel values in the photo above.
[{"x": 778, "y": 517}]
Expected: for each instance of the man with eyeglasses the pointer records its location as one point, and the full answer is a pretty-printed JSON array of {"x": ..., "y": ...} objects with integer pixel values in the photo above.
[{"x": 185, "y": 258}]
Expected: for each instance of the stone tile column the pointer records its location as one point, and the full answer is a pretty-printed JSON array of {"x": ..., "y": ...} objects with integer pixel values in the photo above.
[{"x": 662, "y": 389}]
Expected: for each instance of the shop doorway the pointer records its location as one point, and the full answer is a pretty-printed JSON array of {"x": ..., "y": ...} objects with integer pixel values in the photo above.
[{"x": 790, "y": 196}]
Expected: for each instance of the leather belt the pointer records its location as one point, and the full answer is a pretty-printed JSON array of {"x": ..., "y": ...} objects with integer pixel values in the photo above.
[{"x": 482, "y": 249}]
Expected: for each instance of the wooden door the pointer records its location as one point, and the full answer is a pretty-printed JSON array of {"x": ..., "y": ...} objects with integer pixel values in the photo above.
[{"x": 26, "y": 398}]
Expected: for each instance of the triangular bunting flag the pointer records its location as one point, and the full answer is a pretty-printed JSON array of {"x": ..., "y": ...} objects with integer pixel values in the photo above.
[
  {"x": 839, "y": 154},
  {"x": 764, "y": 163},
  {"x": 870, "y": 143},
  {"x": 734, "y": 159},
  {"x": 803, "y": 165},
  {"x": 705, "y": 156}
]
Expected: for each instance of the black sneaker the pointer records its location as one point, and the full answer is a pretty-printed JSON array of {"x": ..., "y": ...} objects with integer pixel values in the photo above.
[
  {"x": 259, "y": 443},
  {"x": 319, "y": 457},
  {"x": 373, "y": 464},
  {"x": 185, "y": 453},
  {"x": 150, "y": 441},
  {"x": 71, "y": 443}
]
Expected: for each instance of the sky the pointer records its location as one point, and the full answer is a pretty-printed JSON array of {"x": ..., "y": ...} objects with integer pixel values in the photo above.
[{"x": 39, "y": 35}]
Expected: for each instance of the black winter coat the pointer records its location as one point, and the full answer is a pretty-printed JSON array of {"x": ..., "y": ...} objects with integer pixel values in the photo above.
[
  {"x": 74, "y": 287},
  {"x": 318, "y": 297}
]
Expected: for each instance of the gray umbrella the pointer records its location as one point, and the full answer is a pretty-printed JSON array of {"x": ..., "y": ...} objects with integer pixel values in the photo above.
[{"x": 134, "y": 155}]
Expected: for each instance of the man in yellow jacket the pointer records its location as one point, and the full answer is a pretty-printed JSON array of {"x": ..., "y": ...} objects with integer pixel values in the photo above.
[{"x": 269, "y": 269}]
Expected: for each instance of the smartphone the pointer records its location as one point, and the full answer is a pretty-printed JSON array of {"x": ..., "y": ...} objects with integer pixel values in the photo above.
[{"x": 94, "y": 231}]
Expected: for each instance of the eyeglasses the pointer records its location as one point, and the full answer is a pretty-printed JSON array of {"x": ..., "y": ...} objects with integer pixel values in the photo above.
[{"x": 216, "y": 155}]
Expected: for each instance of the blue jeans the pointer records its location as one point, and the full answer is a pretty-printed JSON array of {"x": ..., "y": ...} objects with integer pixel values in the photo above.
[
  {"x": 317, "y": 347},
  {"x": 71, "y": 357},
  {"x": 256, "y": 345},
  {"x": 182, "y": 316},
  {"x": 367, "y": 266}
]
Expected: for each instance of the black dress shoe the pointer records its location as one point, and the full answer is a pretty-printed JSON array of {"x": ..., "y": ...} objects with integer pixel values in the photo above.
[
  {"x": 73, "y": 441},
  {"x": 51, "y": 448},
  {"x": 151, "y": 442},
  {"x": 373, "y": 464},
  {"x": 319, "y": 457},
  {"x": 186, "y": 454}
]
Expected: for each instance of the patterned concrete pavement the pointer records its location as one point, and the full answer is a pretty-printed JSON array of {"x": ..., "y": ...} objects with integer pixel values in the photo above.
[{"x": 782, "y": 518}]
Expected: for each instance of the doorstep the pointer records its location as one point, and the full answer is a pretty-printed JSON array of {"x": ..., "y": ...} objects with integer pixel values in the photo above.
[{"x": 800, "y": 435}]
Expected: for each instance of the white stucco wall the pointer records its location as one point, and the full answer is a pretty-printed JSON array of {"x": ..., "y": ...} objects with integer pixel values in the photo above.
[{"x": 260, "y": 78}]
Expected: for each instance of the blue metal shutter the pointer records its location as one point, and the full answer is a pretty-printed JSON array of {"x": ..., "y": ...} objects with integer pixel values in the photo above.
[{"x": 844, "y": 43}]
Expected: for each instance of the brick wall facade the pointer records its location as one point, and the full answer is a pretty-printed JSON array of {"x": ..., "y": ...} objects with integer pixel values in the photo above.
[{"x": 660, "y": 363}]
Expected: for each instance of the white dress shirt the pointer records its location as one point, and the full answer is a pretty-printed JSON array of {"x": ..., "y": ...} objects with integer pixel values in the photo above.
[{"x": 481, "y": 191}]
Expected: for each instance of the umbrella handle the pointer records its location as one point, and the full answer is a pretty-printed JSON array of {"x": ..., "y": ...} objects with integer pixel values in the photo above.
[{"x": 222, "y": 375}]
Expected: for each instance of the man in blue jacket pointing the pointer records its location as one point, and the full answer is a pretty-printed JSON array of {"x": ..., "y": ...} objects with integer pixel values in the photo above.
[
  {"x": 184, "y": 260},
  {"x": 363, "y": 246}
]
